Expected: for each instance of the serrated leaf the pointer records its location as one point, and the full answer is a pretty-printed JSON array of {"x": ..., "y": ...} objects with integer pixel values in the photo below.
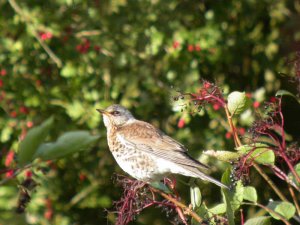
[
  {"x": 285, "y": 209},
  {"x": 260, "y": 153},
  {"x": 66, "y": 144},
  {"x": 32, "y": 141},
  {"x": 237, "y": 102},
  {"x": 223, "y": 155},
  {"x": 261, "y": 220},
  {"x": 160, "y": 186},
  {"x": 250, "y": 194}
]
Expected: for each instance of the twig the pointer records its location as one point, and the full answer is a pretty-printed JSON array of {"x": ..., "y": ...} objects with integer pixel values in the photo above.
[
  {"x": 294, "y": 199},
  {"x": 179, "y": 204},
  {"x": 27, "y": 21},
  {"x": 270, "y": 182},
  {"x": 17, "y": 171},
  {"x": 236, "y": 138}
]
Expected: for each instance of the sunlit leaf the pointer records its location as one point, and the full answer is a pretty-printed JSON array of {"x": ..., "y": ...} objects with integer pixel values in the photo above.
[
  {"x": 285, "y": 209},
  {"x": 261, "y": 220},
  {"x": 260, "y": 152},
  {"x": 237, "y": 102},
  {"x": 250, "y": 194}
]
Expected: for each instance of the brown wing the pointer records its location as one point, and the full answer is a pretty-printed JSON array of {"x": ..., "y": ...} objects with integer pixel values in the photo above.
[{"x": 146, "y": 137}]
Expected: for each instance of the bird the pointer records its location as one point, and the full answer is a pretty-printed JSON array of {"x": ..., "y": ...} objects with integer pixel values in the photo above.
[{"x": 145, "y": 152}]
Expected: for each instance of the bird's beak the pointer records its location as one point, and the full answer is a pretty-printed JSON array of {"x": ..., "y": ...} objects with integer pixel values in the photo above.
[{"x": 102, "y": 111}]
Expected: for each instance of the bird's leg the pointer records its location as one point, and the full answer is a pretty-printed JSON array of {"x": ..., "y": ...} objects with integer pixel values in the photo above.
[{"x": 171, "y": 183}]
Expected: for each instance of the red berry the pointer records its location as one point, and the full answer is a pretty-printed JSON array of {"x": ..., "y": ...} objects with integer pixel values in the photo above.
[
  {"x": 181, "y": 123},
  {"x": 176, "y": 44},
  {"x": 190, "y": 48},
  {"x": 9, "y": 174},
  {"x": 97, "y": 48},
  {"x": 28, "y": 174},
  {"x": 29, "y": 124},
  {"x": 256, "y": 104},
  {"x": 3, "y": 72},
  {"x": 197, "y": 48},
  {"x": 273, "y": 99},
  {"x": 23, "y": 109},
  {"x": 248, "y": 95},
  {"x": 9, "y": 158},
  {"x": 228, "y": 135},
  {"x": 1, "y": 83},
  {"x": 242, "y": 131},
  {"x": 82, "y": 176},
  {"x": 13, "y": 114},
  {"x": 206, "y": 85},
  {"x": 48, "y": 214},
  {"x": 216, "y": 106}
]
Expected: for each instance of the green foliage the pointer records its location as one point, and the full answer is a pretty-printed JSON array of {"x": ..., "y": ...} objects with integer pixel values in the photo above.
[
  {"x": 261, "y": 220},
  {"x": 68, "y": 143},
  {"x": 66, "y": 58},
  {"x": 32, "y": 141},
  {"x": 250, "y": 194},
  {"x": 237, "y": 102},
  {"x": 285, "y": 209},
  {"x": 260, "y": 152}
]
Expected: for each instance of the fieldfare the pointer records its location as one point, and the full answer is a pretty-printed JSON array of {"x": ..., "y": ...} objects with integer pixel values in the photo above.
[{"x": 145, "y": 152}]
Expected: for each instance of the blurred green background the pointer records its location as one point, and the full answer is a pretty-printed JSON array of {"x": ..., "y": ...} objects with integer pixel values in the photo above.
[{"x": 68, "y": 57}]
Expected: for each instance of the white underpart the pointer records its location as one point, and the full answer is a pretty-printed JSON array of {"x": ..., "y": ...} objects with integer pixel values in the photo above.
[{"x": 162, "y": 167}]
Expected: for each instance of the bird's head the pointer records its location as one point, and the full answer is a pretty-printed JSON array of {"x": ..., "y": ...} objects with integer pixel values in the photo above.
[{"x": 115, "y": 115}]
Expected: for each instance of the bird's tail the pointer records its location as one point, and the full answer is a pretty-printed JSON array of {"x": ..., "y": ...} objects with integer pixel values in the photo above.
[{"x": 194, "y": 172}]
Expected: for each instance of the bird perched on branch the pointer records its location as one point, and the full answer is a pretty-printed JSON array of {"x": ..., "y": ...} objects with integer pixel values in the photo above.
[{"x": 146, "y": 153}]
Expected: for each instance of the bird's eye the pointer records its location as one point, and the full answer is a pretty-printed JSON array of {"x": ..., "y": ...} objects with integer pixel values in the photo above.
[{"x": 116, "y": 113}]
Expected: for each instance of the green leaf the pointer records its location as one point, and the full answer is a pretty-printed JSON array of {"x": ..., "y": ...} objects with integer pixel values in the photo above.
[
  {"x": 250, "y": 194},
  {"x": 261, "y": 220},
  {"x": 260, "y": 152},
  {"x": 218, "y": 209},
  {"x": 32, "y": 141},
  {"x": 286, "y": 209},
  {"x": 66, "y": 144},
  {"x": 232, "y": 198},
  {"x": 223, "y": 155},
  {"x": 286, "y": 93},
  {"x": 195, "y": 196},
  {"x": 160, "y": 186},
  {"x": 69, "y": 70},
  {"x": 291, "y": 176},
  {"x": 237, "y": 102}
]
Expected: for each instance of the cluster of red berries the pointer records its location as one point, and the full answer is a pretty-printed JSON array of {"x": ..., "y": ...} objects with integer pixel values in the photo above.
[
  {"x": 85, "y": 46},
  {"x": 190, "y": 47},
  {"x": 46, "y": 35}
]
